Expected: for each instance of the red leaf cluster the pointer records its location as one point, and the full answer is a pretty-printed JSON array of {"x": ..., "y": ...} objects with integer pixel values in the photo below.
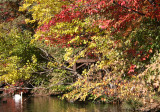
[{"x": 117, "y": 14}]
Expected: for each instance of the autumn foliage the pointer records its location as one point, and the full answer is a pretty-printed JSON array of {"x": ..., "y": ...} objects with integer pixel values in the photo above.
[{"x": 122, "y": 35}]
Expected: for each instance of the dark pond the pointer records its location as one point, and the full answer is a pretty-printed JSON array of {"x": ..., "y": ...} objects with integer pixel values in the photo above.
[{"x": 53, "y": 104}]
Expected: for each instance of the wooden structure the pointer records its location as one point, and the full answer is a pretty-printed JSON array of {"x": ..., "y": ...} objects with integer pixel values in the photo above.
[
  {"x": 82, "y": 62},
  {"x": 85, "y": 62}
]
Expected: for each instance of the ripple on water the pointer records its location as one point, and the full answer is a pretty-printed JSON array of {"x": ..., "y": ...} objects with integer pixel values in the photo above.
[{"x": 53, "y": 104}]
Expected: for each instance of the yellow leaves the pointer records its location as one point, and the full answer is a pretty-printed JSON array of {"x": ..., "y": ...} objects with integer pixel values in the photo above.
[
  {"x": 69, "y": 51},
  {"x": 82, "y": 53},
  {"x": 85, "y": 41},
  {"x": 42, "y": 10},
  {"x": 92, "y": 45},
  {"x": 76, "y": 29},
  {"x": 29, "y": 21},
  {"x": 75, "y": 40},
  {"x": 52, "y": 64},
  {"x": 37, "y": 35},
  {"x": 64, "y": 28},
  {"x": 100, "y": 64},
  {"x": 98, "y": 84},
  {"x": 34, "y": 59},
  {"x": 12, "y": 72},
  {"x": 24, "y": 7}
]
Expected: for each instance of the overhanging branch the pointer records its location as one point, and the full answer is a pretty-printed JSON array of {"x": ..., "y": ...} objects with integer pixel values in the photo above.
[{"x": 50, "y": 58}]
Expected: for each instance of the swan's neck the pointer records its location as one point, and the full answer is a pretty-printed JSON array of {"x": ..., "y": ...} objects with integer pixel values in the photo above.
[{"x": 21, "y": 94}]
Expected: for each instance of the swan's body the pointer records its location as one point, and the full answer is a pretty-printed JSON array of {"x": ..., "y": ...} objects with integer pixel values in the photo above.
[{"x": 18, "y": 97}]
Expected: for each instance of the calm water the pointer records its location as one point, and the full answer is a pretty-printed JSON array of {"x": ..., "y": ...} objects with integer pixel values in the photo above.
[{"x": 53, "y": 104}]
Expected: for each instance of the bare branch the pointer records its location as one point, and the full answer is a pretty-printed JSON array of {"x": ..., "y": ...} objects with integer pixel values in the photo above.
[{"x": 51, "y": 58}]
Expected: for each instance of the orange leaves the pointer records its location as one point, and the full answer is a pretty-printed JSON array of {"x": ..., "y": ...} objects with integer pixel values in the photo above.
[
  {"x": 105, "y": 24},
  {"x": 150, "y": 50},
  {"x": 132, "y": 69}
]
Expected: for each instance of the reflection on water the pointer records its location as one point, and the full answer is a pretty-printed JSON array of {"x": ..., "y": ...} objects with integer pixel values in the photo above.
[
  {"x": 9, "y": 105},
  {"x": 52, "y": 104}
]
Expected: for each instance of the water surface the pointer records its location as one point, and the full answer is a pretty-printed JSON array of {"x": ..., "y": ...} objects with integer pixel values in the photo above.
[{"x": 53, "y": 104}]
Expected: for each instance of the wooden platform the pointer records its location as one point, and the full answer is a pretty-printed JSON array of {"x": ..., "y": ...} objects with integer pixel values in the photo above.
[{"x": 83, "y": 62}]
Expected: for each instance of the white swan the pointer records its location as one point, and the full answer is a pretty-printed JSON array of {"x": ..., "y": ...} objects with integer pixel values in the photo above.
[{"x": 18, "y": 97}]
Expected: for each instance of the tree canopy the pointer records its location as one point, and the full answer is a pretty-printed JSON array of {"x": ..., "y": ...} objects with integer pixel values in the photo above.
[{"x": 122, "y": 35}]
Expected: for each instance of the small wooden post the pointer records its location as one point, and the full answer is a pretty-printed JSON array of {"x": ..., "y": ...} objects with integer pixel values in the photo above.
[
  {"x": 74, "y": 67},
  {"x": 87, "y": 60}
]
